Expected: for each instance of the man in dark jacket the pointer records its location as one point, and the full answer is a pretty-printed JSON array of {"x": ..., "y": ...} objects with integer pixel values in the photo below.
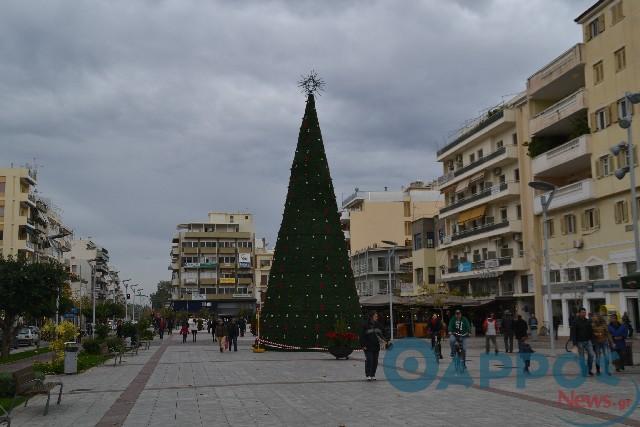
[
  {"x": 234, "y": 331},
  {"x": 581, "y": 336},
  {"x": 507, "y": 331},
  {"x": 370, "y": 342},
  {"x": 436, "y": 329},
  {"x": 520, "y": 329}
]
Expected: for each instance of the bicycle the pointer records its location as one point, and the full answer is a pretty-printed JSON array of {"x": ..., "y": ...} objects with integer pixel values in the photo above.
[
  {"x": 569, "y": 345},
  {"x": 459, "y": 355}
]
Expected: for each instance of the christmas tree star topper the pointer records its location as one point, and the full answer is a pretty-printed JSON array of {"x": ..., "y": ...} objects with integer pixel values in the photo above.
[{"x": 311, "y": 83}]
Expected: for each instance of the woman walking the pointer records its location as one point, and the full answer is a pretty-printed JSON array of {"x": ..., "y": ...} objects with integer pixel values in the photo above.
[
  {"x": 220, "y": 334},
  {"x": 184, "y": 331},
  {"x": 193, "y": 324},
  {"x": 370, "y": 340},
  {"x": 619, "y": 334}
]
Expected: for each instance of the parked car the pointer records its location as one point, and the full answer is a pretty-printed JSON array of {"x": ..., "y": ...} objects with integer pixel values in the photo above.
[{"x": 28, "y": 336}]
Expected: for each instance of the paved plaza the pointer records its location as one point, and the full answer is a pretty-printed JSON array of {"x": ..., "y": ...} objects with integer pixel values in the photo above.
[{"x": 193, "y": 384}]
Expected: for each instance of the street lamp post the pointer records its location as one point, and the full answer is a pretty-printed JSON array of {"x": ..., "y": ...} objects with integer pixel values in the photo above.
[
  {"x": 93, "y": 297},
  {"x": 391, "y": 253},
  {"x": 133, "y": 309},
  {"x": 126, "y": 305},
  {"x": 545, "y": 201}
]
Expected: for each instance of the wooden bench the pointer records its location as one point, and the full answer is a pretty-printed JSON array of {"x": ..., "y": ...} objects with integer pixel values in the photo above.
[
  {"x": 146, "y": 344},
  {"x": 105, "y": 351},
  {"x": 27, "y": 386}
]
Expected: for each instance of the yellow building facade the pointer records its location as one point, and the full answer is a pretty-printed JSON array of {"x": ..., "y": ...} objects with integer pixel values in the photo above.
[{"x": 17, "y": 229}]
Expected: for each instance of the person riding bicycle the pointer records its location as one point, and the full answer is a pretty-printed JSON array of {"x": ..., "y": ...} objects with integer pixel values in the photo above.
[
  {"x": 459, "y": 326},
  {"x": 436, "y": 327}
]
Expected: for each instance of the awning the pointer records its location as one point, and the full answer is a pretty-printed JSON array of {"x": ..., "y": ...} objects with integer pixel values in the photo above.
[
  {"x": 472, "y": 214},
  {"x": 462, "y": 185},
  {"x": 477, "y": 177}
]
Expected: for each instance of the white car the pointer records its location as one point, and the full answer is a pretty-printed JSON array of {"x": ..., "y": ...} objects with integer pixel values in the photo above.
[{"x": 28, "y": 336}]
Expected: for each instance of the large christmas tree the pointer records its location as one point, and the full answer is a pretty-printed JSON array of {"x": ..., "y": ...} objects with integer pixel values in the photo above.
[{"x": 311, "y": 283}]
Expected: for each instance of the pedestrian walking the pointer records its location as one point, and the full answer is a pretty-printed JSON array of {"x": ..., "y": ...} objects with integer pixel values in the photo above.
[
  {"x": 370, "y": 338},
  {"x": 601, "y": 342},
  {"x": 520, "y": 329},
  {"x": 233, "y": 331},
  {"x": 507, "y": 331},
  {"x": 193, "y": 324},
  {"x": 162, "y": 324},
  {"x": 533, "y": 325},
  {"x": 490, "y": 328},
  {"x": 184, "y": 331},
  {"x": 436, "y": 328},
  {"x": 242, "y": 324},
  {"x": 219, "y": 332},
  {"x": 170, "y": 326},
  {"x": 209, "y": 326},
  {"x": 619, "y": 334},
  {"x": 525, "y": 353},
  {"x": 581, "y": 335}
]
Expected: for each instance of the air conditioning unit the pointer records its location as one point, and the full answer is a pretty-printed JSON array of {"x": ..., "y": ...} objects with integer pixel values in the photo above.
[
  {"x": 517, "y": 237},
  {"x": 578, "y": 244},
  {"x": 497, "y": 171}
]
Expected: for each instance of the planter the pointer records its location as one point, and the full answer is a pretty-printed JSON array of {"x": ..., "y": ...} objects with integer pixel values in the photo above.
[{"x": 340, "y": 352}]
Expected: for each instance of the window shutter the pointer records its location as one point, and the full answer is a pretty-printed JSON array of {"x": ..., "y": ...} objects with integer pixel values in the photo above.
[
  {"x": 613, "y": 112},
  {"x": 594, "y": 123},
  {"x": 616, "y": 212},
  {"x": 607, "y": 118},
  {"x": 625, "y": 211},
  {"x": 584, "y": 221},
  {"x": 635, "y": 155},
  {"x": 600, "y": 23},
  {"x": 598, "y": 169},
  {"x": 596, "y": 217},
  {"x": 587, "y": 32},
  {"x": 563, "y": 225}
]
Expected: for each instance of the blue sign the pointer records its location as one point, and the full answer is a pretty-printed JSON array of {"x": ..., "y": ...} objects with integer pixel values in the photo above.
[{"x": 464, "y": 267}]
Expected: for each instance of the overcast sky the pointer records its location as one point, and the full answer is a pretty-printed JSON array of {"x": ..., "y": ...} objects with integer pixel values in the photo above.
[{"x": 146, "y": 114}]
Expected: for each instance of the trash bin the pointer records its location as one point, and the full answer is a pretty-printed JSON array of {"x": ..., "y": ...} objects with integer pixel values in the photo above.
[
  {"x": 71, "y": 350},
  {"x": 628, "y": 354}
]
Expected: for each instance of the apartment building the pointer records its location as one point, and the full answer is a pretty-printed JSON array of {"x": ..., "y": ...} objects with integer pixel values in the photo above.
[
  {"x": 575, "y": 103},
  {"x": 371, "y": 217},
  {"x": 89, "y": 265},
  {"x": 262, "y": 267},
  {"x": 17, "y": 200},
  {"x": 424, "y": 261},
  {"x": 480, "y": 239},
  {"x": 212, "y": 264}
]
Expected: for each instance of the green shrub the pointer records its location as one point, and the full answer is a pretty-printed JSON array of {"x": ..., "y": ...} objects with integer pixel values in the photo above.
[
  {"x": 114, "y": 343},
  {"x": 102, "y": 331},
  {"x": 128, "y": 329},
  {"x": 7, "y": 386},
  {"x": 91, "y": 345}
]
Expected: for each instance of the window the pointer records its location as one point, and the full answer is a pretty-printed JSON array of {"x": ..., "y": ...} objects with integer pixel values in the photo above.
[
  {"x": 519, "y": 212},
  {"x": 591, "y": 219},
  {"x": 503, "y": 214},
  {"x": 370, "y": 265},
  {"x": 550, "y": 229},
  {"x": 598, "y": 72},
  {"x": 417, "y": 241},
  {"x": 621, "y": 59},
  {"x": 569, "y": 224},
  {"x": 629, "y": 267},
  {"x": 382, "y": 287},
  {"x": 595, "y": 272},
  {"x": 432, "y": 275},
  {"x": 2, "y": 187},
  {"x": 621, "y": 212},
  {"x": 594, "y": 28},
  {"x": 382, "y": 264},
  {"x": 472, "y": 157},
  {"x": 616, "y": 13},
  {"x": 554, "y": 276},
  {"x": 430, "y": 240},
  {"x": 602, "y": 118},
  {"x": 1, "y": 211},
  {"x": 573, "y": 275},
  {"x": 499, "y": 145},
  {"x": 407, "y": 208},
  {"x": 604, "y": 166},
  {"x": 480, "y": 154},
  {"x": 419, "y": 276},
  {"x": 516, "y": 175},
  {"x": 514, "y": 139}
]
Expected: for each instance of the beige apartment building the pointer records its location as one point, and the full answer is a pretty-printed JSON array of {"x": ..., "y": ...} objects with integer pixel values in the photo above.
[
  {"x": 262, "y": 267},
  {"x": 481, "y": 251},
  {"x": 212, "y": 264},
  {"x": 371, "y": 217},
  {"x": 90, "y": 270},
  {"x": 574, "y": 105},
  {"x": 17, "y": 200}
]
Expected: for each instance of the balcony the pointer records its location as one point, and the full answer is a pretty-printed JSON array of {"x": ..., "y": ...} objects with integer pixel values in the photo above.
[
  {"x": 568, "y": 195},
  {"x": 568, "y": 157},
  {"x": 484, "y": 269},
  {"x": 559, "y": 118},
  {"x": 481, "y": 232},
  {"x": 499, "y": 157},
  {"x": 487, "y": 195},
  {"x": 565, "y": 73},
  {"x": 489, "y": 124}
]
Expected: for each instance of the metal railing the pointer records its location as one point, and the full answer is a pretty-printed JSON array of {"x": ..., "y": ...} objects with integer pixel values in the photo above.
[
  {"x": 479, "y": 230},
  {"x": 482, "y": 123},
  {"x": 472, "y": 198}
]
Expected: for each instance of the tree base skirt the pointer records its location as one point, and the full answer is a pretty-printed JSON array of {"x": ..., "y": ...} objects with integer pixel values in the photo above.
[{"x": 341, "y": 352}]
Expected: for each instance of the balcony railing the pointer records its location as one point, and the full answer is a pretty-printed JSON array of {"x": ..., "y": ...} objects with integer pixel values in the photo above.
[
  {"x": 568, "y": 195},
  {"x": 479, "y": 230},
  {"x": 577, "y": 147},
  {"x": 449, "y": 176},
  {"x": 560, "y": 66},
  {"x": 472, "y": 198},
  {"x": 558, "y": 111},
  {"x": 481, "y": 124}
]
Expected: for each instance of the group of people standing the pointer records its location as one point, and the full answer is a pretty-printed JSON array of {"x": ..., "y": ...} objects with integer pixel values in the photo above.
[{"x": 223, "y": 331}]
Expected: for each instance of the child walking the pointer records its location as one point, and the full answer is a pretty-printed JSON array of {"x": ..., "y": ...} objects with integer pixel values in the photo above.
[{"x": 525, "y": 353}]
